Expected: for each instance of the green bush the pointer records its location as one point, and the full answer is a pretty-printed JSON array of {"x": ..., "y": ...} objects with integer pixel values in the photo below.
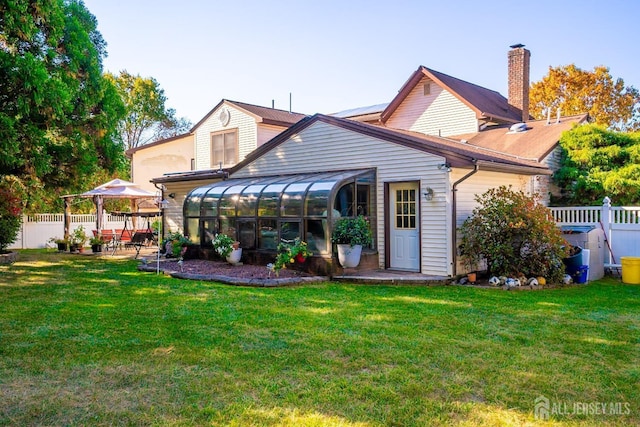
[
  {"x": 352, "y": 231},
  {"x": 10, "y": 218},
  {"x": 514, "y": 235}
]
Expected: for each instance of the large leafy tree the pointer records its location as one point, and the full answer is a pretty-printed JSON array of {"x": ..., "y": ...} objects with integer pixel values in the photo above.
[
  {"x": 599, "y": 162},
  {"x": 147, "y": 117},
  {"x": 608, "y": 101},
  {"x": 58, "y": 114}
]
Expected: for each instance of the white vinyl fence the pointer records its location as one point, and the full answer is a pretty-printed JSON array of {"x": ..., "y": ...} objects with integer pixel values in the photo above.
[
  {"x": 620, "y": 224},
  {"x": 37, "y": 230}
]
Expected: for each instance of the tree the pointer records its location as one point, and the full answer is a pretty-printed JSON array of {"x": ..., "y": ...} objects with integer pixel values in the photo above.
[
  {"x": 575, "y": 91},
  {"x": 147, "y": 118},
  {"x": 58, "y": 114},
  {"x": 515, "y": 235},
  {"x": 598, "y": 162}
]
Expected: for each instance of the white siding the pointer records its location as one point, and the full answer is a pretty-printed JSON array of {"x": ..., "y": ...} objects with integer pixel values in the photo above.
[
  {"x": 439, "y": 113},
  {"x": 174, "y": 220},
  {"x": 479, "y": 183},
  {"x": 322, "y": 147},
  {"x": 247, "y": 135}
]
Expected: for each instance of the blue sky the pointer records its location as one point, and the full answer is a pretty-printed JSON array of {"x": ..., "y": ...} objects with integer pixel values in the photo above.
[{"x": 335, "y": 55}]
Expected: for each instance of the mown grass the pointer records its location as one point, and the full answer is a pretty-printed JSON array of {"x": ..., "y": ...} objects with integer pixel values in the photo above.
[{"x": 87, "y": 341}]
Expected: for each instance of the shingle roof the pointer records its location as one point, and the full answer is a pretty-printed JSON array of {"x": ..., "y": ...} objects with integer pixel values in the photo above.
[
  {"x": 485, "y": 102},
  {"x": 535, "y": 143},
  {"x": 456, "y": 153},
  {"x": 266, "y": 115}
]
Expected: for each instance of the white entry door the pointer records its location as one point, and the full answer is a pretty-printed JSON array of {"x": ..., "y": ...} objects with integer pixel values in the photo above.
[{"x": 404, "y": 231}]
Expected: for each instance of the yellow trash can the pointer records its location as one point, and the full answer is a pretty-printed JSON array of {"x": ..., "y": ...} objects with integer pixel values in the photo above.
[{"x": 630, "y": 270}]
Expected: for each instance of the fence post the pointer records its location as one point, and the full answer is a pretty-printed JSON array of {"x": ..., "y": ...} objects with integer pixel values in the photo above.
[{"x": 605, "y": 221}]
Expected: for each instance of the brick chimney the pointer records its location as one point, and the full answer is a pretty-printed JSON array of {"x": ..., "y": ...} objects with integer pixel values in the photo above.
[{"x": 519, "y": 59}]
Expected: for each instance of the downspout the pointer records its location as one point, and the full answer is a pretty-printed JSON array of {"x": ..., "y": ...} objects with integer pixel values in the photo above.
[
  {"x": 454, "y": 228},
  {"x": 162, "y": 221}
]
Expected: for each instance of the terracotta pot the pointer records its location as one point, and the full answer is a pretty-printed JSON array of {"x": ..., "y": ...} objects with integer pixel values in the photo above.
[{"x": 471, "y": 277}]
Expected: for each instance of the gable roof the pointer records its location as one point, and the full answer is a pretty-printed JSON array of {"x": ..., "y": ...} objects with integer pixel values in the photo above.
[
  {"x": 266, "y": 115},
  {"x": 536, "y": 142},
  {"x": 487, "y": 104},
  {"x": 455, "y": 153}
]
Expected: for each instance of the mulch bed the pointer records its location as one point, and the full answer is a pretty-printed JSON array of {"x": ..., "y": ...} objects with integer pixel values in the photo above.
[{"x": 219, "y": 271}]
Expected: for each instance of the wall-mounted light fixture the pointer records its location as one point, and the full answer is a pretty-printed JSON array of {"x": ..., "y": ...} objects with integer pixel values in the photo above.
[
  {"x": 172, "y": 195},
  {"x": 445, "y": 166},
  {"x": 428, "y": 194}
]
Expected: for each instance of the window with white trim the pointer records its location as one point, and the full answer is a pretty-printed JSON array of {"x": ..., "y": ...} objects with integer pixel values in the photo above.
[{"x": 224, "y": 148}]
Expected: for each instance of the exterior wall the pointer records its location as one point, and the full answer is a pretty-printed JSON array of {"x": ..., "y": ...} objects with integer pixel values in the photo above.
[
  {"x": 322, "y": 147},
  {"x": 154, "y": 161},
  {"x": 546, "y": 187},
  {"x": 174, "y": 219},
  {"x": 479, "y": 183},
  {"x": 439, "y": 113},
  {"x": 267, "y": 132},
  {"x": 244, "y": 123},
  {"x": 247, "y": 135}
]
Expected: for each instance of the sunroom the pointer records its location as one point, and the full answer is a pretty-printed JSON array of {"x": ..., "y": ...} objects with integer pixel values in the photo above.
[{"x": 260, "y": 212}]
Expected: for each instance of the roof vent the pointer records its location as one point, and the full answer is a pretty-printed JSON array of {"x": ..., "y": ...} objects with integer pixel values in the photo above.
[{"x": 518, "y": 127}]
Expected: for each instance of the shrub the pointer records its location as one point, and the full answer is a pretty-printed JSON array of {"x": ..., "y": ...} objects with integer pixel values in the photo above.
[
  {"x": 175, "y": 245},
  {"x": 515, "y": 235},
  {"x": 352, "y": 231},
  {"x": 223, "y": 245},
  {"x": 10, "y": 217}
]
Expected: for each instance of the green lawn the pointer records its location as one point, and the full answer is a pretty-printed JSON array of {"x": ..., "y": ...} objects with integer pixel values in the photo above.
[{"x": 86, "y": 341}]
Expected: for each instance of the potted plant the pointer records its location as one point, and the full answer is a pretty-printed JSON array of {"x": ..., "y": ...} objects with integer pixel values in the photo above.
[
  {"x": 227, "y": 247},
  {"x": 350, "y": 234},
  {"x": 61, "y": 243},
  {"x": 77, "y": 239},
  {"x": 290, "y": 253},
  {"x": 175, "y": 245},
  {"x": 470, "y": 259},
  {"x": 96, "y": 243}
]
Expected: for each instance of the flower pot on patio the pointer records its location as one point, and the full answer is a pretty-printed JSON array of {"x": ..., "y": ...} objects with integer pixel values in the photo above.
[
  {"x": 349, "y": 256},
  {"x": 235, "y": 256}
]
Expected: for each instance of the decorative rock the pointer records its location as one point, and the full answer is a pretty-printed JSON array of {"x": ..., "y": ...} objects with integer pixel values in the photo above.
[
  {"x": 503, "y": 280},
  {"x": 533, "y": 281},
  {"x": 542, "y": 281},
  {"x": 517, "y": 282},
  {"x": 567, "y": 279},
  {"x": 494, "y": 281},
  {"x": 464, "y": 281},
  {"x": 510, "y": 283}
]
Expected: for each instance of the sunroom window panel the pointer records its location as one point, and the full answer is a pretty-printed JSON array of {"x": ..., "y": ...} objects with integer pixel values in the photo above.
[
  {"x": 317, "y": 201},
  {"x": 268, "y": 204},
  {"x": 292, "y": 199},
  {"x": 229, "y": 200},
  {"x": 289, "y": 231},
  {"x": 249, "y": 200},
  {"x": 268, "y": 234},
  {"x": 210, "y": 201},
  {"x": 192, "y": 204}
]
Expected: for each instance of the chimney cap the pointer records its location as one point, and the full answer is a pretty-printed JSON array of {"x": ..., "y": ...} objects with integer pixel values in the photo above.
[{"x": 516, "y": 46}]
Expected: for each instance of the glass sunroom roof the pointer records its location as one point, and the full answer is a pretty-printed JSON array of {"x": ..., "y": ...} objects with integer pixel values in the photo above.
[{"x": 285, "y": 195}]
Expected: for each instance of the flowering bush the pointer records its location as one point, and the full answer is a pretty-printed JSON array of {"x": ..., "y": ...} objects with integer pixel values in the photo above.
[
  {"x": 223, "y": 245},
  {"x": 514, "y": 234},
  {"x": 289, "y": 253},
  {"x": 352, "y": 231},
  {"x": 10, "y": 218}
]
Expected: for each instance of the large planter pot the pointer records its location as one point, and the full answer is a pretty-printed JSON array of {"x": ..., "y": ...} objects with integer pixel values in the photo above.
[
  {"x": 235, "y": 256},
  {"x": 62, "y": 246},
  {"x": 349, "y": 256},
  {"x": 96, "y": 248}
]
